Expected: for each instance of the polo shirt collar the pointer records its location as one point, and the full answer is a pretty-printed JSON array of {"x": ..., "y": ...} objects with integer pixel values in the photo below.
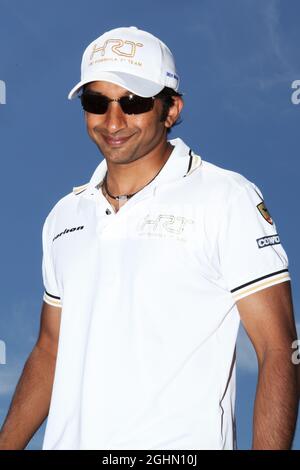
[{"x": 181, "y": 162}]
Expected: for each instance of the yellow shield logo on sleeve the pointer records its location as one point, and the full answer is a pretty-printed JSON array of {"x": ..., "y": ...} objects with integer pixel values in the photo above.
[{"x": 264, "y": 212}]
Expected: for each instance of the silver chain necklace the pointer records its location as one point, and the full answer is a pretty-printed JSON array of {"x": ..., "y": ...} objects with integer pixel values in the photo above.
[{"x": 124, "y": 197}]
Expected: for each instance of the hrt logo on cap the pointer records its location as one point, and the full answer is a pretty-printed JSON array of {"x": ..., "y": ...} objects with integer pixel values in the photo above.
[{"x": 115, "y": 46}]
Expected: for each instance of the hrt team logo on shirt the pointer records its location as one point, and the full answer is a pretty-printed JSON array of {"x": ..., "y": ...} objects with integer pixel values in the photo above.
[{"x": 165, "y": 225}]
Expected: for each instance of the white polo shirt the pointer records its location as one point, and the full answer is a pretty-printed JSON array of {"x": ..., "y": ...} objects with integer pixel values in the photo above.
[{"x": 146, "y": 356}]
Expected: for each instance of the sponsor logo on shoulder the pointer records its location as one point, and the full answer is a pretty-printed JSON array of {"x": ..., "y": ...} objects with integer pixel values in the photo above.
[
  {"x": 68, "y": 230},
  {"x": 264, "y": 212},
  {"x": 267, "y": 241}
]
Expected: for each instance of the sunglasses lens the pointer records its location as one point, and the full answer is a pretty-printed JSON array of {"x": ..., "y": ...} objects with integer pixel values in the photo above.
[
  {"x": 134, "y": 104},
  {"x": 93, "y": 103}
]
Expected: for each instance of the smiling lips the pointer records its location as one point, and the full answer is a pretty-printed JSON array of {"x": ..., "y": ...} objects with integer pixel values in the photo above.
[{"x": 117, "y": 141}]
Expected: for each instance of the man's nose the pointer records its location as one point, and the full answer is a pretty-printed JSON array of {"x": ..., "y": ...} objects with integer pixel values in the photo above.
[{"x": 115, "y": 119}]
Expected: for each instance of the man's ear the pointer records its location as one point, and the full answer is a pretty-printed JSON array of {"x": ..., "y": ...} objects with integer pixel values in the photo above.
[{"x": 174, "y": 111}]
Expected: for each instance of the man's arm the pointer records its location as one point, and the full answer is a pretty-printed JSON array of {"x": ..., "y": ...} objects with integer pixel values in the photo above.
[
  {"x": 31, "y": 400},
  {"x": 268, "y": 319}
]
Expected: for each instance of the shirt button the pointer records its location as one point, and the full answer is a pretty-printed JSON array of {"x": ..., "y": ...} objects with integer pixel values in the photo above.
[{"x": 107, "y": 212}]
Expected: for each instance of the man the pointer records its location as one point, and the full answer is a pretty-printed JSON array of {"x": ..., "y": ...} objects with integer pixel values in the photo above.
[{"x": 147, "y": 270}]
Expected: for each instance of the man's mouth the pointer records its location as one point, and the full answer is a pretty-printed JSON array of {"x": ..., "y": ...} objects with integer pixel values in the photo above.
[{"x": 116, "y": 141}]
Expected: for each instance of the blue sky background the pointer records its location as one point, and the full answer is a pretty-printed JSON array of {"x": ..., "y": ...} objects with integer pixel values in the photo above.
[{"x": 237, "y": 60}]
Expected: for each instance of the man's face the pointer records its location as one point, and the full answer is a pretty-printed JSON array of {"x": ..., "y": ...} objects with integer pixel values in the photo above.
[{"x": 120, "y": 137}]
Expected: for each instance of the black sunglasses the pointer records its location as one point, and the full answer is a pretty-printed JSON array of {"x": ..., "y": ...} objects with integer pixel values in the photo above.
[{"x": 96, "y": 103}]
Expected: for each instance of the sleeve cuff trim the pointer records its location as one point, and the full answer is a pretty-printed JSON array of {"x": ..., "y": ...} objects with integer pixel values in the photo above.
[
  {"x": 274, "y": 279},
  {"x": 276, "y": 273},
  {"x": 52, "y": 299},
  {"x": 52, "y": 296}
]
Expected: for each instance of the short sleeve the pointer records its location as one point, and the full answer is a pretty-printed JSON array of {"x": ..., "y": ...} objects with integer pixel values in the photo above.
[
  {"x": 250, "y": 251},
  {"x": 51, "y": 293}
]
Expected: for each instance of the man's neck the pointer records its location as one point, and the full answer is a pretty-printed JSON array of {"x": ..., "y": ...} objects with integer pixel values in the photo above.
[{"x": 126, "y": 179}]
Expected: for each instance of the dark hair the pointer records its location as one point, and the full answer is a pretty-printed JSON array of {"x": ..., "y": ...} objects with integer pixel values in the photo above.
[{"x": 166, "y": 95}]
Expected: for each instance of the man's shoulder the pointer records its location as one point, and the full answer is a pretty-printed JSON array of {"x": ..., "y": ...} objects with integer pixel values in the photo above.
[
  {"x": 63, "y": 204},
  {"x": 66, "y": 204},
  {"x": 223, "y": 181}
]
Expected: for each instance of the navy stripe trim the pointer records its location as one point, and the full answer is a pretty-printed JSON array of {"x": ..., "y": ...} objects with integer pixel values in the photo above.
[
  {"x": 53, "y": 296},
  {"x": 190, "y": 162},
  {"x": 77, "y": 194},
  {"x": 259, "y": 279}
]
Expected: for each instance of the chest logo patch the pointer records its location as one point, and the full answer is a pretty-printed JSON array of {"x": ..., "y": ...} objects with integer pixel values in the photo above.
[{"x": 165, "y": 226}]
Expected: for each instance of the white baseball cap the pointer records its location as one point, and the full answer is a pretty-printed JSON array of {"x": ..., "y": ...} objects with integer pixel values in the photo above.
[{"x": 131, "y": 58}]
